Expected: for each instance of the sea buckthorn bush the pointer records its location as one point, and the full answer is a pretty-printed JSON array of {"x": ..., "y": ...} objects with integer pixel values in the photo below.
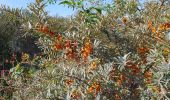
[{"x": 107, "y": 51}]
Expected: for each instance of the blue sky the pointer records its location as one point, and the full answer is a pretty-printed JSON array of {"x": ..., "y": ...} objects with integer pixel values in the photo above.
[{"x": 53, "y": 9}]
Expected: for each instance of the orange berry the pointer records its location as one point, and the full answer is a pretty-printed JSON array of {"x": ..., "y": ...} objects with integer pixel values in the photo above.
[
  {"x": 90, "y": 89},
  {"x": 52, "y": 33},
  {"x": 150, "y": 24},
  {"x": 122, "y": 77},
  {"x": 162, "y": 27},
  {"x": 119, "y": 82},
  {"x": 69, "y": 81},
  {"x": 167, "y": 25},
  {"x": 75, "y": 95},
  {"x": 117, "y": 97},
  {"x": 166, "y": 51},
  {"x": 93, "y": 65},
  {"x": 153, "y": 30},
  {"x": 143, "y": 50},
  {"x": 45, "y": 29},
  {"x": 94, "y": 88},
  {"x": 58, "y": 46},
  {"x": 68, "y": 44},
  {"x": 124, "y": 19},
  {"x": 148, "y": 74},
  {"x": 59, "y": 37}
]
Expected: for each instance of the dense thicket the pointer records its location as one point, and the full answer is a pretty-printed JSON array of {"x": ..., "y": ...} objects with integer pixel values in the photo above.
[{"x": 106, "y": 51}]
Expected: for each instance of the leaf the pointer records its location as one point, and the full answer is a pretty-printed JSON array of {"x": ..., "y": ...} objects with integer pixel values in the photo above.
[
  {"x": 80, "y": 3},
  {"x": 65, "y": 2},
  {"x": 71, "y": 4},
  {"x": 52, "y": 1},
  {"x": 99, "y": 10},
  {"x": 49, "y": 93},
  {"x": 29, "y": 25}
]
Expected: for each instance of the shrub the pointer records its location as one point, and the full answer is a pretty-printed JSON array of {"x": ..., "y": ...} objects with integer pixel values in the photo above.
[{"x": 108, "y": 51}]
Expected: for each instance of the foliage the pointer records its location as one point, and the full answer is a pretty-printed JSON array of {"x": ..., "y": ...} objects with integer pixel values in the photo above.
[{"x": 107, "y": 51}]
